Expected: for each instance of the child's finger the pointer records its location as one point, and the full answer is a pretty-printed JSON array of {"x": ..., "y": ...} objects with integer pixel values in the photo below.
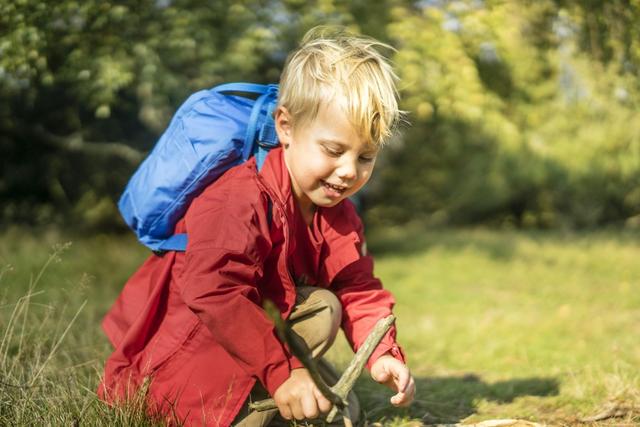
[
  {"x": 401, "y": 399},
  {"x": 381, "y": 376},
  {"x": 410, "y": 392},
  {"x": 404, "y": 398},
  {"x": 296, "y": 410},
  {"x": 285, "y": 412},
  {"x": 309, "y": 406},
  {"x": 397, "y": 399},
  {"x": 323, "y": 403},
  {"x": 403, "y": 379}
]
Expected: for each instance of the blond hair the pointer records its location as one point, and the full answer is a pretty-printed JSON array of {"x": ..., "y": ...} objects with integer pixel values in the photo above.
[{"x": 333, "y": 64}]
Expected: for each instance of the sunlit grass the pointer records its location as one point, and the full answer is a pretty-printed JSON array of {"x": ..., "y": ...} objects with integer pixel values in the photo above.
[
  {"x": 531, "y": 325},
  {"x": 515, "y": 325}
]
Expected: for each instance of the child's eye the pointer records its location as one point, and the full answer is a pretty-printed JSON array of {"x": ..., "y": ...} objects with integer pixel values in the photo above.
[
  {"x": 330, "y": 151},
  {"x": 366, "y": 159}
]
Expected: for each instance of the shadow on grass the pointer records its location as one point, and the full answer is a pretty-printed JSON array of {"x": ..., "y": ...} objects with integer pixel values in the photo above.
[
  {"x": 497, "y": 244},
  {"x": 443, "y": 400},
  {"x": 415, "y": 239}
]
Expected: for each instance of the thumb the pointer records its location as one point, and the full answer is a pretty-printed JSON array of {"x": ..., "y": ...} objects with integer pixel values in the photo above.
[{"x": 381, "y": 375}]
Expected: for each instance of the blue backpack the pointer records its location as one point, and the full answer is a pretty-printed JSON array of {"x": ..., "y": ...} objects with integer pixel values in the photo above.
[{"x": 211, "y": 132}]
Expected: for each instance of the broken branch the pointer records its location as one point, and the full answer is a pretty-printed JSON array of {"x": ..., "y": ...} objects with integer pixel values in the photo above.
[{"x": 339, "y": 392}]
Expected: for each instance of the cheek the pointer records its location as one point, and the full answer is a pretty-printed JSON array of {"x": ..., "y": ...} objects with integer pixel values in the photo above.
[
  {"x": 365, "y": 174},
  {"x": 314, "y": 170},
  {"x": 320, "y": 165}
]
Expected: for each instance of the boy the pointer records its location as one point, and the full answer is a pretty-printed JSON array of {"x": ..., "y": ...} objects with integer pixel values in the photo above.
[{"x": 189, "y": 327}]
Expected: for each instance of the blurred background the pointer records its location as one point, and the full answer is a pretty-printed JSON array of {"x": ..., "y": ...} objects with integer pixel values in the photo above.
[
  {"x": 519, "y": 113},
  {"x": 505, "y": 218}
]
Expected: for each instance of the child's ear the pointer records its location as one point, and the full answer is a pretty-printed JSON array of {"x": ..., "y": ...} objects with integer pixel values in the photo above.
[{"x": 284, "y": 125}]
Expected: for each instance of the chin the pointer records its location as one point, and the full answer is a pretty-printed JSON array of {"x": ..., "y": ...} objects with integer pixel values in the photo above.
[
  {"x": 322, "y": 201},
  {"x": 329, "y": 204}
]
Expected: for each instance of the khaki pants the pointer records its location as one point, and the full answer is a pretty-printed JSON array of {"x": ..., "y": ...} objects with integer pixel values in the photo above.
[{"x": 316, "y": 319}]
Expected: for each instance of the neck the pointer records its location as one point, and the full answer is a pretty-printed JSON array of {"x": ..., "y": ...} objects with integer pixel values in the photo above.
[
  {"x": 306, "y": 206},
  {"x": 307, "y": 213}
]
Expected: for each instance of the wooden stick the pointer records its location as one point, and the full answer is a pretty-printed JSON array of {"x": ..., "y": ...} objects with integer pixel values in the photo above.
[
  {"x": 339, "y": 392},
  {"x": 299, "y": 349},
  {"x": 353, "y": 371}
]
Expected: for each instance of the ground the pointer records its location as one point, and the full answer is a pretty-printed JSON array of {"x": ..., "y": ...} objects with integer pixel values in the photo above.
[{"x": 536, "y": 326}]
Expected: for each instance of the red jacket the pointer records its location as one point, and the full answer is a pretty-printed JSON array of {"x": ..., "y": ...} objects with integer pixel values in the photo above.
[{"x": 192, "y": 322}]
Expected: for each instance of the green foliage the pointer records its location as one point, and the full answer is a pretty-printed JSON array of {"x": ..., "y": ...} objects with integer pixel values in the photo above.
[
  {"x": 520, "y": 112},
  {"x": 86, "y": 87},
  {"x": 81, "y": 82},
  {"x": 511, "y": 121}
]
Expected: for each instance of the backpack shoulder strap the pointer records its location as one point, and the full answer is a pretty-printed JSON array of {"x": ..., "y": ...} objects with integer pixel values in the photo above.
[{"x": 178, "y": 242}]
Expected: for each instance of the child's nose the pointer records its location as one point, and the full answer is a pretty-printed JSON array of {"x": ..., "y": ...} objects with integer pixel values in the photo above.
[{"x": 348, "y": 170}]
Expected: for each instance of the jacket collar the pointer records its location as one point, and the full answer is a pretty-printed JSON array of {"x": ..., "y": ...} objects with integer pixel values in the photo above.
[
  {"x": 338, "y": 225},
  {"x": 275, "y": 176}
]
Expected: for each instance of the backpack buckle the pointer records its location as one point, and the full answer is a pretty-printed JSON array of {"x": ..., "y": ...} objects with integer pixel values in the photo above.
[{"x": 268, "y": 138}]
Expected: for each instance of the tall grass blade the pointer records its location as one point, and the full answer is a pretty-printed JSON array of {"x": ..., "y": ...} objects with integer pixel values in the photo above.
[{"x": 57, "y": 344}]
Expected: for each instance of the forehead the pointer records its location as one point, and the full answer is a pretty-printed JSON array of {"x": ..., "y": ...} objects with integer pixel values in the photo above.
[{"x": 332, "y": 125}]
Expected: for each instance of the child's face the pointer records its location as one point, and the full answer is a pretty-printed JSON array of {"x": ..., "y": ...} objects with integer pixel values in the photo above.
[{"x": 327, "y": 160}]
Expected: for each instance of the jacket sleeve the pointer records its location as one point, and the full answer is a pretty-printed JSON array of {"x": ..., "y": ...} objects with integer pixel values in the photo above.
[
  {"x": 228, "y": 244},
  {"x": 363, "y": 299}
]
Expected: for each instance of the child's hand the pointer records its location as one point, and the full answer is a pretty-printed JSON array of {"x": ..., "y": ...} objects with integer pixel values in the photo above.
[
  {"x": 298, "y": 397},
  {"x": 394, "y": 374}
]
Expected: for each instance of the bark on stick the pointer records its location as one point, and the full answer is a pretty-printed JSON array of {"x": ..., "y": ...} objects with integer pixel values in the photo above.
[{"x": 338, "y": 393}]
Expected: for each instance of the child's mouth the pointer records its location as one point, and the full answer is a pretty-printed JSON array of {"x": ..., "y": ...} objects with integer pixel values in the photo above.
[{"x": 333, "y": 190}]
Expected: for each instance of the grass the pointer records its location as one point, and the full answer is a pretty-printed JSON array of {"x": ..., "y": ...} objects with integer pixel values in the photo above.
[
  {"x": 496, "y": 324},
  {"x": 52, "y": 298}
]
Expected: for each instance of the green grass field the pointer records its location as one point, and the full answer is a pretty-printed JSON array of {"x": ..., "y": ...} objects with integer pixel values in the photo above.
[{"x": 541, "y": 326}]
